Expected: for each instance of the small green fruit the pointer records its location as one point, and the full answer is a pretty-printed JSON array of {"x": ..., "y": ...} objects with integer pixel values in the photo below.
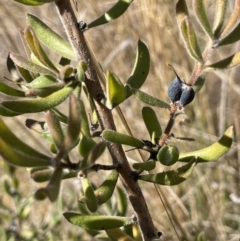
[{"x": 168, "y": 155}]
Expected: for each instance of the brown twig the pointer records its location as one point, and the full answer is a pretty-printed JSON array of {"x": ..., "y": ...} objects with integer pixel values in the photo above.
[{"x": 106, "y": 121}]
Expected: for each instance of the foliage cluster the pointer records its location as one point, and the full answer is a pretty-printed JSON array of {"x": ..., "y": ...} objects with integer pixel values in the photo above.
[{"x": 42, "y": 84}]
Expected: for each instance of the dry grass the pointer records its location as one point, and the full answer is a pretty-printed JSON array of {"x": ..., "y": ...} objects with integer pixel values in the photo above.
[{"x": 209, "y": 201}]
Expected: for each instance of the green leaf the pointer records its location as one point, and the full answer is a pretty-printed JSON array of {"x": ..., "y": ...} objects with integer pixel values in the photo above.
[
  {"x": 201, "y": 15},
  {"x": 229, "y": 62},
  {"x": 145, "y": 166},
  {"x": 220, "y": 12},
  {"x": 43, "y": 174},
  {"x": 232, "y": 37},
  {"x": 73, "y": 130},
  {"x": 24, "y": 74},
  {"x": 140, "y": 70},
  {"x": 181, "y": 11},
  {"x": 97, "y": 222},
  {"x": 117, "y": 10},
  {"x": 232, "y": 21},
  {"x": 152, "y": 123},
  {"x": 45, "y": 91},
  {"x": 117, "y": 234},
  {"x": 6, "y": 89},
  {"x": 15, "y": 143},
  {"x": 50, "y": 38},
  {"x": 6, "y": 112},
  {"x": 150, "y": 100},
  {"x": 39, "y": 104},
  {"x": 85, "y": 145},
  {"x": 104, "y": 192},
  {"x": 19, "y": 158},
  {"x": 25, "y": 44},
  {"x": 170, "y": 178},
  {"x": 89, "y": 196},
  {"x": 52, "y": 189},
  {"x": 33, "y": 2},
  {"x": 212, "y": 152},
  {"x": 34, "y": 68},
  {"x": 190, "y": 40},
  {"x": 55, "y": 129},
  {"x": 122, "y": 202},
  {"x": 115, "y": 91},
  {"x": 41, "y": 81},
  {"x": 37, "y": 50},
  {"x": 116, "y": 137},
  {"x": 85, "y": 129}
]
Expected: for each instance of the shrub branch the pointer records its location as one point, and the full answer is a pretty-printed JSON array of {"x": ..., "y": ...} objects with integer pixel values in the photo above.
[{"x": 77, "y": 40}]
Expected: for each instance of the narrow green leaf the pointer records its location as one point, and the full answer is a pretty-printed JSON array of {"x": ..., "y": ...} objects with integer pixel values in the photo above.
[
  {"x": 39, "y": 104},
  {"x": 145, "y": 166},
  {"x": 229, "y": 62},
  {"x": 152, "y": 123},
  {"x": 24, "y": 74},
  {"x": 73, "y": 130},
  {"x": 25, "y": 44},
  {"x": 115, "y": 91},
  {"x": 116, "y": 137},
  {"x": 89, "y": 195},
  {"x": 41, "y": 81},
  {"x": 85, "y": 145},
  {"x": 232, "y": 37},
  {"x": 43, "y": 174},
  {"x": 15, "y": 143},
  {"x": 190, "y": 40},
  {"x": 30, "y": 2},
  {"x": 34, "y": 68},
  {"x": 212, "y": 152},
  {"x": 37, "y": 50},
  {"x": 122, "y": 202},
  {"x": 81, "y": 68},
  {"x": 63, "y": 118},
  {"x": 50, "y": 38},
  {"x": 181, "y": 11},
  {"x": 55, "y": 128},
  {"x": 45, "y": 91},
  {"x": 170, "y": 178},
  {"x": 201, "y": 15},
  {"x": 19, "y": 158},
  {"x": 117, "y": 10},
  {"x": 150, "y": 100},
  {"x": 220, "y": 12},
  {"x": 97, "y": 222},
  {"x": 232, "y": 21},
  {"x": 104, "y": 192},
  {"x": 140, "y": 70},
  {"x": 85, "y": 129},
  {"x": 6, "y": 89},
  {"x": 6, "y": 112}
]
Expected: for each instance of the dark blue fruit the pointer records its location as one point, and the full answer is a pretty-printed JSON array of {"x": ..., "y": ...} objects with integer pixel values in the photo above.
[
  {"x": 175, "y": 89},
  {"x": 187, "y": 96}
]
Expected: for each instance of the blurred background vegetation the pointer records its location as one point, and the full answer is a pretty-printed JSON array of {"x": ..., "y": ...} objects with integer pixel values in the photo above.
[{"x": 209, "y": 201}]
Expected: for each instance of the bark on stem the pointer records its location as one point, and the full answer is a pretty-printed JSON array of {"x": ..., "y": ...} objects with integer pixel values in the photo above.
[{"x": 82, "y": 52}]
